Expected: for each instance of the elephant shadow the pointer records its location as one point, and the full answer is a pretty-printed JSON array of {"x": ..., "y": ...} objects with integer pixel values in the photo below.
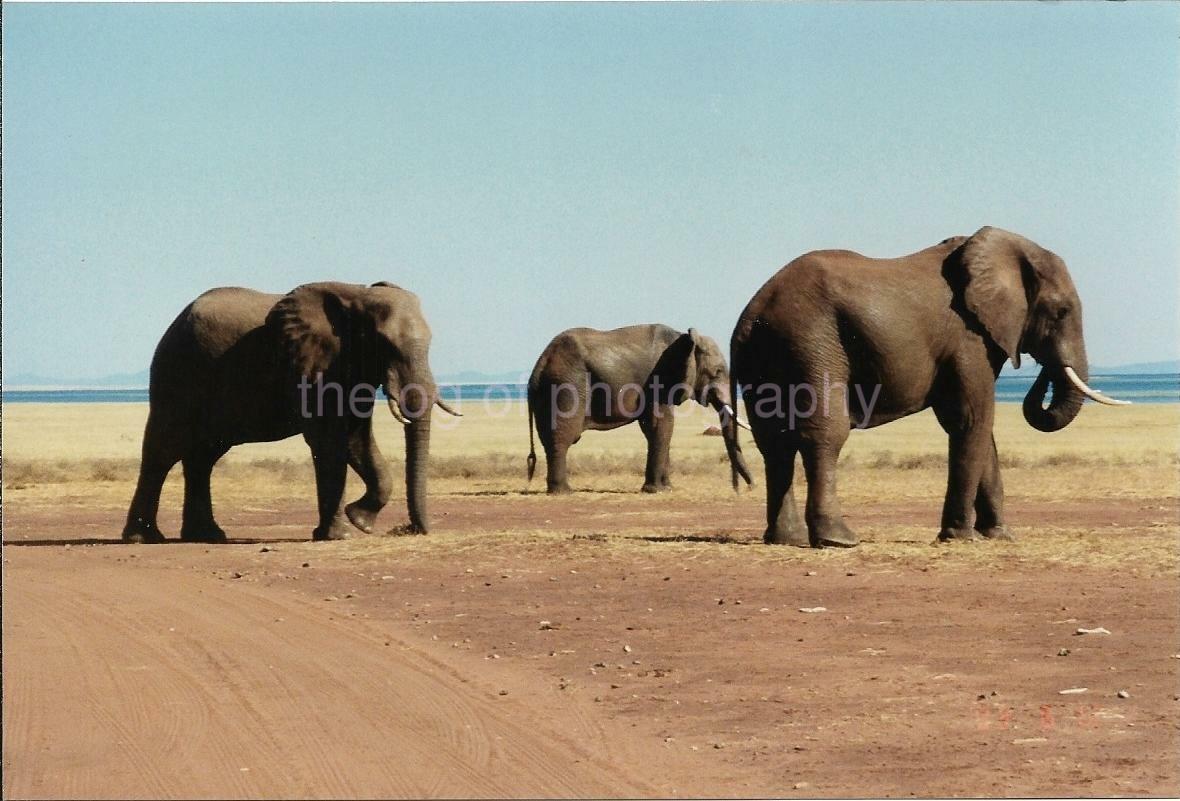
[
  {"x": 536, "y": 492},
  {"x": 714, "y": 537},
  {"x": 85, "y": 541}
]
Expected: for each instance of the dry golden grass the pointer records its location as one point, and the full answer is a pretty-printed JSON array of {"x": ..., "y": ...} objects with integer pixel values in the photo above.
[
  {"x": 88, "y": 455},
  {"x": 1148, "y": 552},
  {"x": 1106, "y": 452}
]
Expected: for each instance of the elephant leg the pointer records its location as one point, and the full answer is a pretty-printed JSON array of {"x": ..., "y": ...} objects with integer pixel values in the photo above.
[
  {"x": 160, "y": 454},
  {"x": 778, "y": 449},
  {"x": 783, "y": 525},
  {"x": 556, "y": 432},
  {"x": 365, "y": 458},
  {"x": 557, "y": 443},
  {"x": 556, "y": 470},
  {"x": 989, "y": 500},
  {"x": 329, "y": 453},
  {"x": 971, "y": 455},
  {"x": 658, "y": 431},
  {"x": 821, "y": 452},
  {"x": 197, "y": 523}
]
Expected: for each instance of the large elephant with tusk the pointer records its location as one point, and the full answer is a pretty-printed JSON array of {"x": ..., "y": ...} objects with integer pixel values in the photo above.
[
  {"x": 241, "y": 366},
  {"x": 601, "y": 380},
  {"x": 836, "y": 340}
]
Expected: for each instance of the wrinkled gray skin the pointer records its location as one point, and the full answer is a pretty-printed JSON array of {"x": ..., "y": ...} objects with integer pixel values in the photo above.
[
  {"x": 933, "y": 330},
  {"x": 635, "y": 355},
  {"x": 227, "y": 372}
]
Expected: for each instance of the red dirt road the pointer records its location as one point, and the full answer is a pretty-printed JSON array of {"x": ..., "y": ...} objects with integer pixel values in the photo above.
[
  {"x": 410, "y": 667},
  {"x": 172, "y": 684}
]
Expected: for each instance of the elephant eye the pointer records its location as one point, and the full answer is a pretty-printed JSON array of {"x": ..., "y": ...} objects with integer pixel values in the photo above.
[{"x": 1062, "y": 312}]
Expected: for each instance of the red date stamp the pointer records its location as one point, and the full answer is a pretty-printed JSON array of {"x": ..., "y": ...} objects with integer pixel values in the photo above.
[{"x": 1082, "y": 717}]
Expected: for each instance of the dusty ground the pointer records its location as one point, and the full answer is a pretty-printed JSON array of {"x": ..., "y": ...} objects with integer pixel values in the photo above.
[{"x": 607, "y": 643}]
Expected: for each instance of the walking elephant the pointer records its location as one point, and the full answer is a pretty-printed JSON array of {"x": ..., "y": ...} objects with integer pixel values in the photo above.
[
  {"x": 243, "y": 366},
  {"x": 600, "y": 380},
  {"x": 836, "y": 340}
]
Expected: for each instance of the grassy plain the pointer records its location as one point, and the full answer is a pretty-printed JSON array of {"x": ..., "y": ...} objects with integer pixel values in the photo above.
[
  {"x": 1129, "y": 452},
  {"x": 88, "y": 453}
]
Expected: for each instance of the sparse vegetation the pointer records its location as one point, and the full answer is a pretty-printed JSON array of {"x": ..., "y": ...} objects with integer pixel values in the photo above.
[
  {"x": 94, "y": 451},
  {"x": 22, "y": 474}
]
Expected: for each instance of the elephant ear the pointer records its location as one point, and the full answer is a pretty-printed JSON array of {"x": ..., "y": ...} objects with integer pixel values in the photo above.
[
  {"x": 678, "y": 365},
  {"x": 994, "y": 264},
  {"x": 312, "y": 323}
]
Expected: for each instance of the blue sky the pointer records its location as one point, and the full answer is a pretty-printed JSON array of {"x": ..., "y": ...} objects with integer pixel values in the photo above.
[{"x": 527, "y": 168}]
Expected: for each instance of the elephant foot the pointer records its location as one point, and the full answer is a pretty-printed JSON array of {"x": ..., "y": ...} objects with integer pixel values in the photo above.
[
  {"x": 997, "y": 533},
  {"x": 792, "y": 534},
  {"x": 321, "y": 534},
  {"x": 206, "y": 532},
  {"x": 559, "y": 489},
  {"x": 361, "y": 517},
  {"x": 958, "y": 535},
  {"x": 788, "y": 528},
  {"x": 337, "y": 530},
  {"x": 655, "y": 487},
  {"x": 142, "y": 534},
  {"x": 833, "y": 533}
]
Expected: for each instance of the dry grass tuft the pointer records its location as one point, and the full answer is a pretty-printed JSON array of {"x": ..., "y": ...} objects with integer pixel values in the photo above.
[{"x": 1137, "y": 552}]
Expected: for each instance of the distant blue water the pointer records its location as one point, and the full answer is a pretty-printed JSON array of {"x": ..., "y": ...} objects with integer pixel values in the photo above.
[
  {"x": 75, "y": 396},
  {"x": 1159, "y": 388}
]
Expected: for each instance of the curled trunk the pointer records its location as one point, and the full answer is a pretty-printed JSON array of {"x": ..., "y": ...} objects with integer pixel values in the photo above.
[{"x": 1066, "y": 403}]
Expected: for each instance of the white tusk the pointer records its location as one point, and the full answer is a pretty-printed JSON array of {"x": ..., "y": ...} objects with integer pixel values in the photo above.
[
  {"x": 1090, "y": 393},
  {"x": 442, "y": 405},
  {"x": 396, "y": 412},
  {"x": 727, "y": 410}
]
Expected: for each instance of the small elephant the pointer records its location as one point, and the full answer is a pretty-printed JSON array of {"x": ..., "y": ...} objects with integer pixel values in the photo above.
[
  {"x": 836, "y": 340},
  {"x": 600, "y": 380},
  {"x": 244, "y": 366}
]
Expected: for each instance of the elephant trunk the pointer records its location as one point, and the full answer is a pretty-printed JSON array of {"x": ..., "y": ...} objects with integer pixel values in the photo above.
[
  {"x": 721, "y": 400},
  {"x": 417, "y": 401},
  {"x": 1067, "y": 398},
  {"x": 395, "y": 399},
  {"x": 417, "y": 465}
]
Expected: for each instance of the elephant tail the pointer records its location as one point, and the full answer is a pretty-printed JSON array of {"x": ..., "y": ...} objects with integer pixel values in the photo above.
[{"x": 532, "y": 460}]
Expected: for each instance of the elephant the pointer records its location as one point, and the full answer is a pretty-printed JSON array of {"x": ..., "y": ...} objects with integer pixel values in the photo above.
[
  {"x": 601, "y": 380},
  {"x": 931, "y": 329},
  {"x": 238, "y": 365}
]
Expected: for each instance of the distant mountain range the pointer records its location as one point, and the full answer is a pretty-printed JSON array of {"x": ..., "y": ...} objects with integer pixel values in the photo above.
[
  {"x": 114, "y": 381},
  {"x": 476, "y": 377},
  {"x": 1168, "y": 367},
  {"x": 1142, "y": 368},
  {"x": 18, "y": 381}
]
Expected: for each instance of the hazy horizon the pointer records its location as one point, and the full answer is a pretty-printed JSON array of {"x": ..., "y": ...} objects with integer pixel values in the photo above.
[
  {"x": 139, "y": 379},
  {"x": 528, "y": 168}
]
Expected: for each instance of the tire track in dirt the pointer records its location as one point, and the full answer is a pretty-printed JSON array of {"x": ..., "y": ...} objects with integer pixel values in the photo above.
[
  {"x": 164, "y": 684},
  {"x": 77, "y": 705}
]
